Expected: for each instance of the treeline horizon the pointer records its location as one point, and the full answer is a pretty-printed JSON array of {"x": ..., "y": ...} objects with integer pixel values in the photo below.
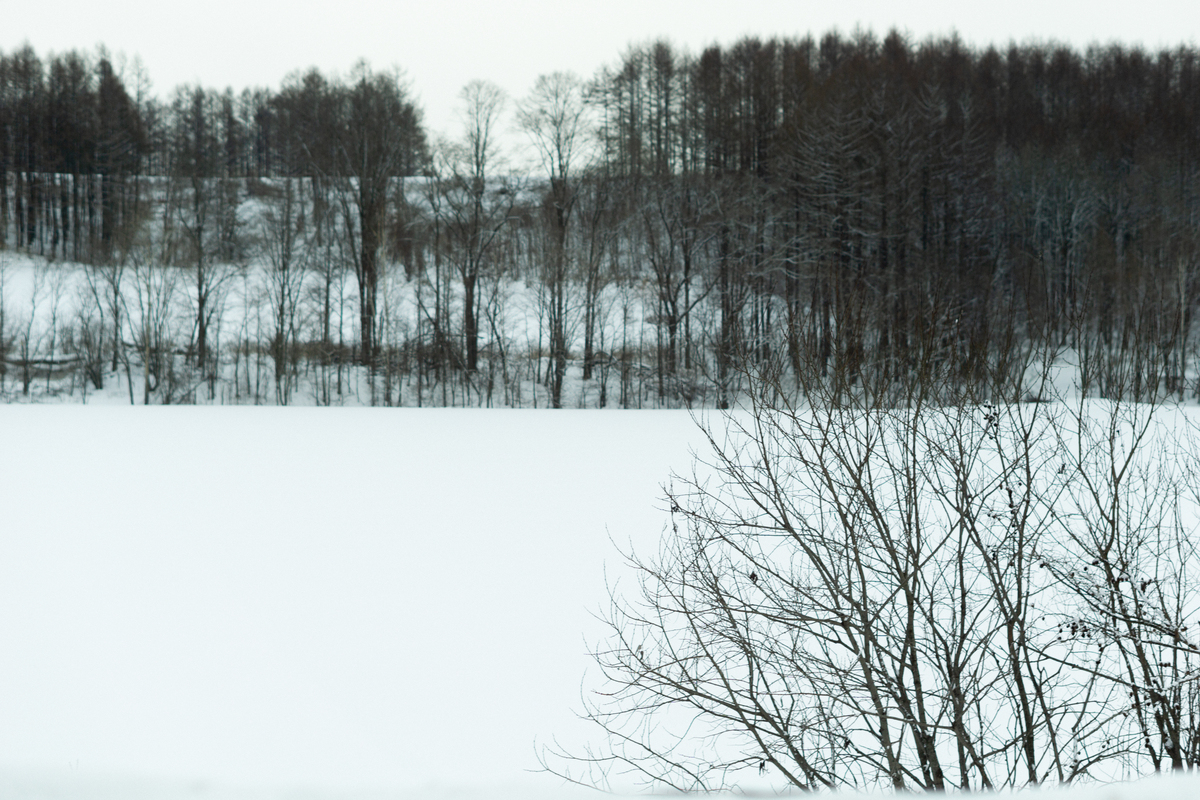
[{"x": 868, "y": 210}]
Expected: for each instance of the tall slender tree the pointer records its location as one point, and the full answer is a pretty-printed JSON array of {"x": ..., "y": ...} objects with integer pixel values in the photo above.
[
  {"x": 379, "y": 138},
  {"x": 553, "y": 116}
]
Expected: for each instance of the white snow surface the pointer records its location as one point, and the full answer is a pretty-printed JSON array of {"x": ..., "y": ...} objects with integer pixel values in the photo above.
[
  {"x": 64, "y": 785},
  {"x": 322, "y": 599},
  {"x": 206, "y": 603}
]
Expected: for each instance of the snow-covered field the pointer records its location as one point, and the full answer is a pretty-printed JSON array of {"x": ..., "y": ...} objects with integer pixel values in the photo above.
[
  {"x": 252, "y": 604},
  {"x": 336, "y": 599},
  {"x": 67, "y": 785}
]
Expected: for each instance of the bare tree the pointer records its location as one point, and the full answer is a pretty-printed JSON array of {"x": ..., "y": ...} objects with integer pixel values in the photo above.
[
  {"x": 285, "y": 251},
  {"x": 6, "y": 339},
  {"x": 553, "y": 116},
  {"x": 916, "y": 597},
  {"x": 477, "y": 204},
  {"x": 86, "y": 339},
  {"x": 379, "y": 138},
  {"x": 26, "y": 342},
  {"x": 105, "y": 293},
  {"x": 1127, "y": 562},
  {"x": 204, "y": 211},
  {"x": 151, "y": 318}
]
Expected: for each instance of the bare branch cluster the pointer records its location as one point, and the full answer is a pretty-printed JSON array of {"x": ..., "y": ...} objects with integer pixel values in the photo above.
[{"x": 921, "y": 597}]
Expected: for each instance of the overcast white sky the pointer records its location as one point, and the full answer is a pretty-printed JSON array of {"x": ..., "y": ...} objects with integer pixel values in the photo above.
[{"x": 442, "y": 45}]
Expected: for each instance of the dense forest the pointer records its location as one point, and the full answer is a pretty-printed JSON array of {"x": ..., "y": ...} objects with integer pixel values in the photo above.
[{"x": 858, "y": 211}]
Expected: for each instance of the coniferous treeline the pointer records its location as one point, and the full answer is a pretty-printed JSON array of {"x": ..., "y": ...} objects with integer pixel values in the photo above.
[
  {"x": 867, "y": 210},
  {"x": 900, "y": 207},
  {"x": 72, "y": 145}
]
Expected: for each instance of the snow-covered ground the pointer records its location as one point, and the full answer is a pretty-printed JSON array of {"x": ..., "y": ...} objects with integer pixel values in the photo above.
[
  {"x": 326, "y": 599},
  {"x": 252, "y": 604},
  {"x": 67, "y": 785}
]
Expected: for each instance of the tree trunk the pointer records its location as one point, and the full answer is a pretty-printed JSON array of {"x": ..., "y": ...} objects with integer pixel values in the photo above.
[
  {"x": 370, "y": 218},
  {"x": 470, "y": 322}
]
